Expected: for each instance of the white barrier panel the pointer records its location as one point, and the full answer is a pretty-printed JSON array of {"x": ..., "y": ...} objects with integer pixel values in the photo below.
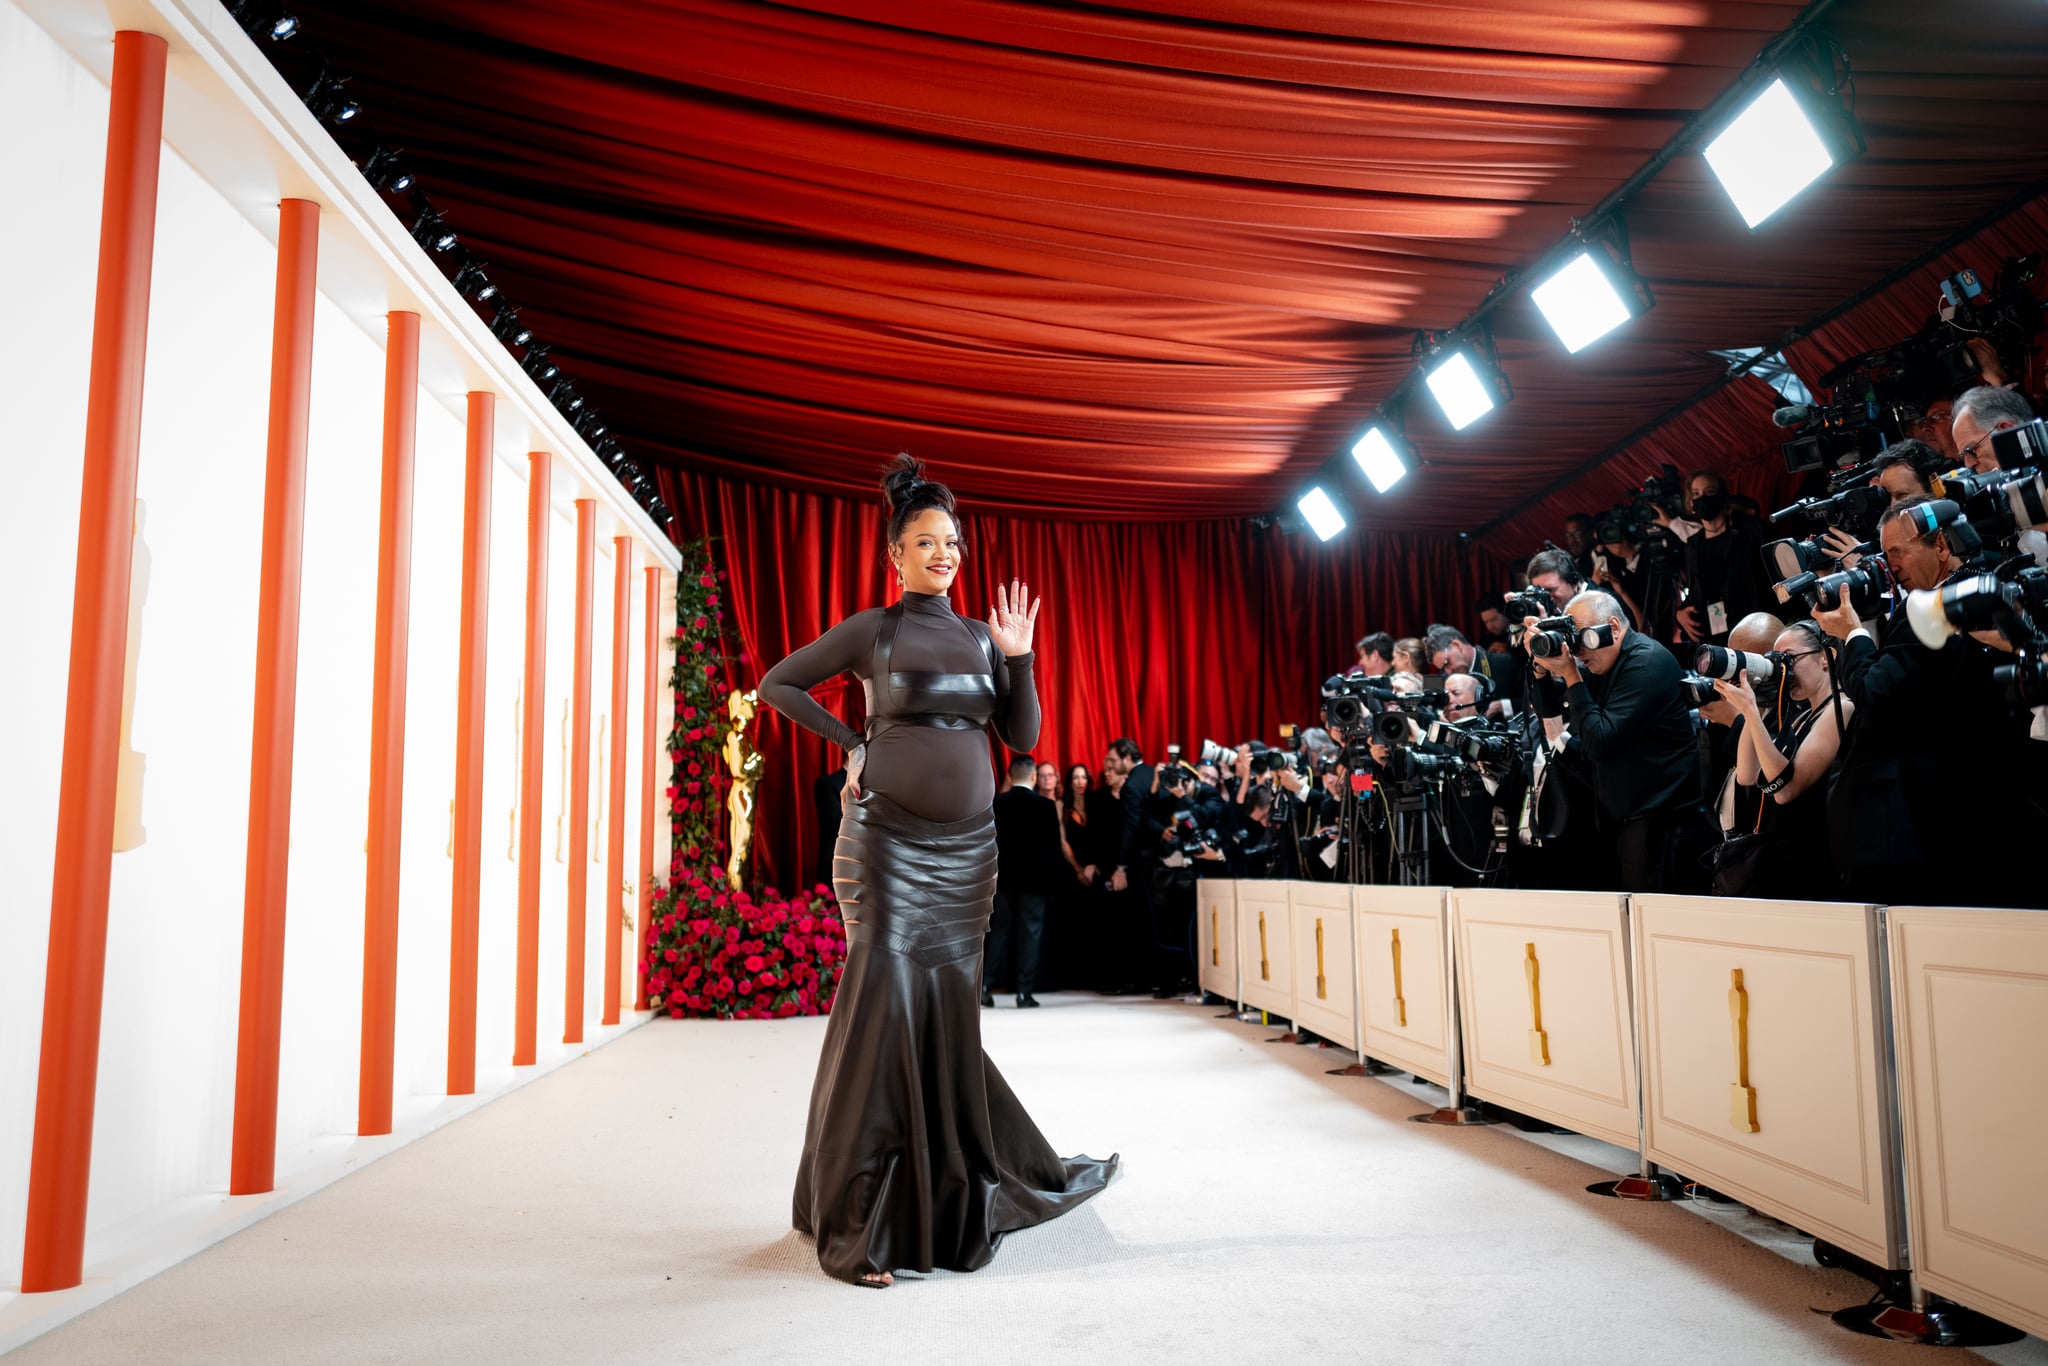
[
  {"x": 1766, "y": 1073},
  {"x": 1969, "y": 1015},
  {"x": 1544, "y": 994},
  {"x": 1216, "y": 936},
  {"x": 1325, "y": 995},
  {"x": 1265, "y": 946},
  {"x": 1402, "y": 935}
]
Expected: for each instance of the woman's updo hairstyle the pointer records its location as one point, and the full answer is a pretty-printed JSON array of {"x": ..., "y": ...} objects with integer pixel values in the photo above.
[{"x": 909, "y": 493}]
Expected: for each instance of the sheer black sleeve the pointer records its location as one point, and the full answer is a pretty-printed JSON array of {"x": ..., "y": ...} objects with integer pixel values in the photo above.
[
  {"x": 848, "y": 645},
  {"x": 1017, "y": 718}
]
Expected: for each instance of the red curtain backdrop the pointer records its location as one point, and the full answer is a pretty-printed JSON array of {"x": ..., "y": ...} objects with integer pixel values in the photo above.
[{"x": 1156, "y": 631}]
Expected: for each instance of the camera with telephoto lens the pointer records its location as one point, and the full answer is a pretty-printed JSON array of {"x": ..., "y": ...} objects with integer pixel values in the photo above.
[
  {"x": 2001, "y": 503},
  {"x": 1527, "y": 602},
  {"x": 1866, "y": 586},
  {"x": 1349, "y": 703},
  {"x": 1697, "y": 690},
  {"x": 1855, "y": 509},
  {"x": 1410, "y": 765},
  {"x": 1718, "y": 661},
  {"x": 1983, "y": 602},
  {"x": 1663, "y": 492},
  {"x": 1482, "y": 742}
]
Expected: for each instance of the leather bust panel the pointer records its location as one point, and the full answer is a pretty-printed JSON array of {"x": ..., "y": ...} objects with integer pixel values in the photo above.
[{"x": 953, "y": 701}]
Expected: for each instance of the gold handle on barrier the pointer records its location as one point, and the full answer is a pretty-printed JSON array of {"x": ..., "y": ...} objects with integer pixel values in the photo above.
[
  {"x": 1400, "y": 1001},
  {"x": 1215, "y": 937},
  {"x": 1322, "y": 986},
  {"x": 1265, "y": 966},
  {"x": 1741, "y": 1095},
  {"x": 1539, "y": 1041}
]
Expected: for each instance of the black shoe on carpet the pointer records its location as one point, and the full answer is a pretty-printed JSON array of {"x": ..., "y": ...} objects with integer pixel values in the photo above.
[
  {"x": 1026, "y": 1002},
  {"x": 988, "y": 999}
]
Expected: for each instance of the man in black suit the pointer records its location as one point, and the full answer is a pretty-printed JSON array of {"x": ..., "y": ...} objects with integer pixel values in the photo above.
[
  {"x": 1136, "y": 842},
  {"x": 1027, "y": 857}
]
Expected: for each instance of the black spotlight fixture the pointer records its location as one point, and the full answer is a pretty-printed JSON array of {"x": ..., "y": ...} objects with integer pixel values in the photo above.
[
  {"x": 329, "y": 101},
  {"x": 384, "y": 173},
  {"x": 472, "y": 283},
  {"x": 658, "y": 510},
  {"x": 612, "y": 453},
  {"x": 259, "y": 20},
  {"x": 507, "y": 328},
  {"x": 635, "y": 479},
  {"x": 537, "y": 364},
  {"x": 430, "y": 232},
  {"x": 590, "y": 424},
  {"x": 565, "y": 397}
]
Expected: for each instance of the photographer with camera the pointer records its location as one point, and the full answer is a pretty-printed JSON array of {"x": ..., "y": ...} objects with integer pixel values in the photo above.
[
  {"x": 1450, "y": 653},
  {"x": 1786, "y": 760},
  {"x": 1375, "y": 655},
  {"x": 1613, "y": 702},
  {"x": 1931, "y": 729},
  {"x": 1904, "y": 469},
  {"x": 1979, "y": 414},
  {"x": 1724, "y": 570},
  {"x": 1556, "y": 573},
  {"x": 1188, "y": 833},
  {"x": 1635, "y": 564}
]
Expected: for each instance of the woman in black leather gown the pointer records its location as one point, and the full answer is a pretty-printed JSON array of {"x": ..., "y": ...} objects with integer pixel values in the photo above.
[{"x": 916, "y": 1154}]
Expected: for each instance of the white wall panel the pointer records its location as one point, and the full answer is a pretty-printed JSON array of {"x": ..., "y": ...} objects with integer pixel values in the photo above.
[
  {"x": 167, "y": 1051},
  {"x": 427, "y": 870},
  {"x": 56, "y": 117}
]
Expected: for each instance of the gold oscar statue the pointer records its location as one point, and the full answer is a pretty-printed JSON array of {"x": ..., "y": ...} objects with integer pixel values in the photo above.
[{"x": 746, "y": 763}]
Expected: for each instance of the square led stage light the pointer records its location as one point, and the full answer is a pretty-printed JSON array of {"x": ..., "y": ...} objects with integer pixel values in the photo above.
[
  {"x": 1460, "y": 390},
  {"x": 1321, "y": 512},
  {"x": 1770, "y": 152},
  {"x": 1377, "y": 459}
]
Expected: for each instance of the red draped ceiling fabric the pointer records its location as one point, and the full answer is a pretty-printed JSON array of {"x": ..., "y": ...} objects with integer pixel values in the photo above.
[
  {"x": 1151, "y": 261},
  {"x": 1157, "y": 631}
]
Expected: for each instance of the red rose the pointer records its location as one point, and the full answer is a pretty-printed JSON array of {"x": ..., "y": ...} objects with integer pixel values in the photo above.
[
  {"x": 755, "y": 963},
  {"x": 700, "y": 623},
  {"x": 725, "y": 986},
  {"x": 711, "y": 601},
  {"x": 697, "y": 647},
  {"x": 689, "y": 713},
  {"x": 675, "y": 1012},
  {"x": 710, "y": 670},
  {"x": 707, "y": 580}
]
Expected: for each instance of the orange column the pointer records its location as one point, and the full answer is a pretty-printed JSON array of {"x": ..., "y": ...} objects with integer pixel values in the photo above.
[
  {"x": 651, "y": 736},
  {"x": 60, "y": 1165},
  {"x": 252, "y": 1167},
  {"x": 615, "y": 799},
  {"x": 471, "y": 664},
  {"x": 579, "y": 779},
  {"x": 532, "y": 754},
  {"x": 387, "y": 725}
]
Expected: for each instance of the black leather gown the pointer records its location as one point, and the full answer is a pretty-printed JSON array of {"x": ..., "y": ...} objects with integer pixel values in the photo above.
[{"x": 917, "y": 1154}]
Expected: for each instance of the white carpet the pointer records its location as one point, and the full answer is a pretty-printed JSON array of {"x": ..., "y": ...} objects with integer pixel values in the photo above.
[{"x": 635, "y": 1206}]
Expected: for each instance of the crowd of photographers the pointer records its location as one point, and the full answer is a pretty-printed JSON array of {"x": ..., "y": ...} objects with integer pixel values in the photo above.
[{"x": 1842, "y": 700}]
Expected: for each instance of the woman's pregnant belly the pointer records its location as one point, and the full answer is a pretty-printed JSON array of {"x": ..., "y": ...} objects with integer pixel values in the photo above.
[{"x": 940, "y": 774}]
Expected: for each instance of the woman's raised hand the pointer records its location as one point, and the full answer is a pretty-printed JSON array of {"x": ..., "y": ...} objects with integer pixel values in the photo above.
[{"x": 1014, "y": 618}]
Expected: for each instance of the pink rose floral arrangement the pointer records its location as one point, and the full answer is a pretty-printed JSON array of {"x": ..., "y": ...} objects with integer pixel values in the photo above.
[{"x": 709, "y": 949}]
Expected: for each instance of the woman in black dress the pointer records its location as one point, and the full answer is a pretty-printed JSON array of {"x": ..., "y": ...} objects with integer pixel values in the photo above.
[
  {"x": 917, "y": 1154},
  {"x": 1789, "y": 764}
]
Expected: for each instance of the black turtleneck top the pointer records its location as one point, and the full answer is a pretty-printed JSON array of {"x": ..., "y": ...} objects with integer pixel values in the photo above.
[{"x": 934, "y": 685}]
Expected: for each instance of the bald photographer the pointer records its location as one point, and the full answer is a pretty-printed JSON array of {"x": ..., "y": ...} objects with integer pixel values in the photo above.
[{"x": 1612, "y": 708}]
